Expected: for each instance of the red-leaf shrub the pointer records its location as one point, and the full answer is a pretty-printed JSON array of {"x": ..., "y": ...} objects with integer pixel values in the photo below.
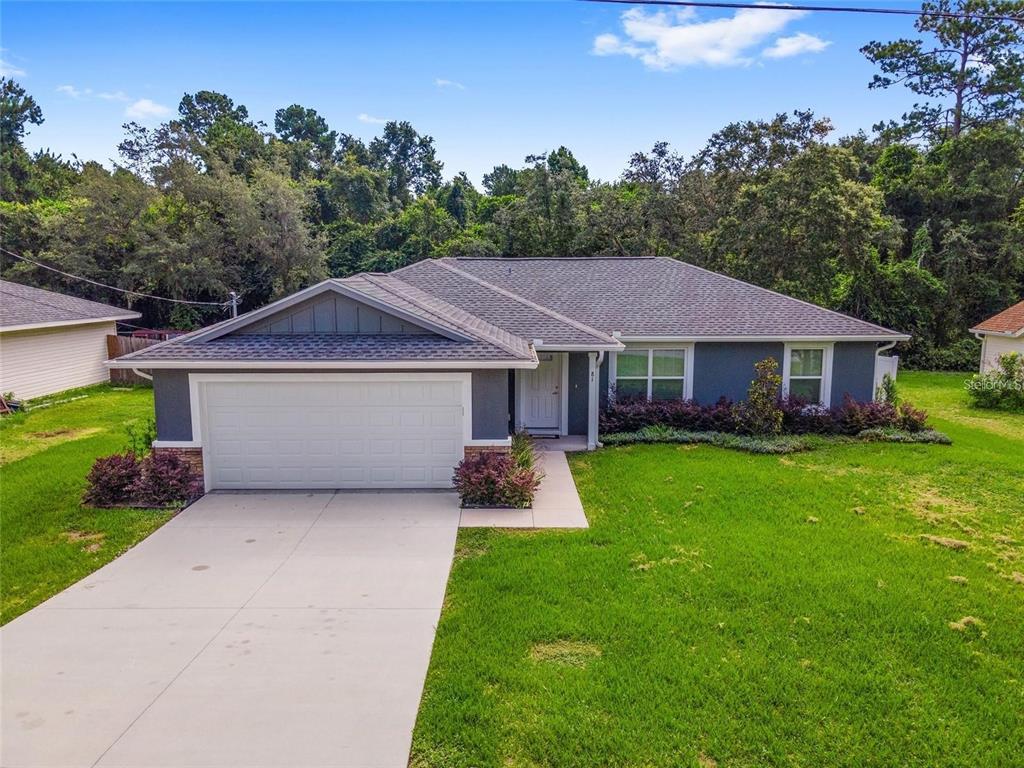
[
  {"x": 494, "y": 480},
  {"x": 801, "y": 417},
  {"x": 911, "y": 419},
  {"x": 633, "y": 414},
  {"x": 854, "y": 416},
  {"x": 111, "y": 479},
  {"x": 123, "y": 480},
  {"x": 165, "y": 478}
]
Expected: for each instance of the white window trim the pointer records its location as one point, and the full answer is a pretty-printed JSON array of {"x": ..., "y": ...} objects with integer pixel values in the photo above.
[
  {"x": 826, "y": 367},
  {"x": 687, "y": 349}
]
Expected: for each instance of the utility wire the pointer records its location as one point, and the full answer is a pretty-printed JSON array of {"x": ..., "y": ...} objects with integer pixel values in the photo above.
[
  {"x": 821, "y": 8},
  {"x": 221, "y": 304}
]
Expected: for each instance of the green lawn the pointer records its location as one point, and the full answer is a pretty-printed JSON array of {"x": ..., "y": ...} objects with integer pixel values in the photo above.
[
  {"x": 737, "y": 610},
  {"x": 47, "y": 540}
]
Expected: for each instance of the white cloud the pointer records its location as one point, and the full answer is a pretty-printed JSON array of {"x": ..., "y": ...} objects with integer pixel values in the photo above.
[
  {"x": 667, "y": 40},
  {"x": 365, "y": 118},
  {"x": 82, "y": 93},
  {"x": 794, "y": 45},
  {"x": 145, "y": 109},
  {"x": 9, "y": 70},
  {"x": 440, "y": 82},
  {"x": 74, "y": 93}
]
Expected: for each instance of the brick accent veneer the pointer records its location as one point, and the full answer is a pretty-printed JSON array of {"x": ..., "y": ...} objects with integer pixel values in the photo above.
[
  {"x": 476, "y": 450},
  {"x": 194, "y": 456}
]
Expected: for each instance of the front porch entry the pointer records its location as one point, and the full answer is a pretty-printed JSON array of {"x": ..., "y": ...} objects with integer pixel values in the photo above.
[
  {"x": 561, "y": 396},
  {"x": 542, "y": 396}
]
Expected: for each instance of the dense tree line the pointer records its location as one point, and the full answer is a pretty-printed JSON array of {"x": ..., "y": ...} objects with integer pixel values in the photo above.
[{"x": 918, "y": 226}]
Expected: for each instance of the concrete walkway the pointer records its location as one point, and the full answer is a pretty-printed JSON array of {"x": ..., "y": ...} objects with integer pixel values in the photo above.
[{"x": 285, "y": 629}]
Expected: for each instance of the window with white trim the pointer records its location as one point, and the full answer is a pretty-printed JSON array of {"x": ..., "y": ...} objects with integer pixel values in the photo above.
[
  {"x": 654, "y": 374},
  {"x": 807, "y": 373}
]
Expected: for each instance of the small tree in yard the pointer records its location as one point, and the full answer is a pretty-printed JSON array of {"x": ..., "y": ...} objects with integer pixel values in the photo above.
[{"x": 761, "y": 413}]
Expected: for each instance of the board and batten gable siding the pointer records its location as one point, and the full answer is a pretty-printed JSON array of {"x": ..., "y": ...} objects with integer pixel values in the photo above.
[
  {"x": 331, "y": 313},
  {"x": 994, "y": 347},
  {"x": 174, "y": 411},
  {"x": 42, "y": 361}
]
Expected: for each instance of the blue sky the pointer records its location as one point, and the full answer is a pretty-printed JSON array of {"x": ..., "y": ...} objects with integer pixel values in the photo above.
[{"x": 491, "y": 82}]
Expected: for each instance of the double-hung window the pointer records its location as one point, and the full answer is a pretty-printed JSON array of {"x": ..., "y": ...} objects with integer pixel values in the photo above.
[
  {"x": 654, "y": 374},
  {"x": 808, "y": 372}
]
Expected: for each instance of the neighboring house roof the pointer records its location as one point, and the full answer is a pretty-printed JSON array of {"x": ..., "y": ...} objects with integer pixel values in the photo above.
[
  {"x": 1009, "y": 322},
  {"x": 23, "y": 307},
  {"x": 658, "y": 296},
  {"x": 498, "y": 311}
]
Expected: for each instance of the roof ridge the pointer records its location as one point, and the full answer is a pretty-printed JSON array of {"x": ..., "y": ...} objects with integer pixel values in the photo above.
[
  {"x": 442, "y": 262},
  {"x": 493, "y": 335},
  {"x": 777, "y": 293}
]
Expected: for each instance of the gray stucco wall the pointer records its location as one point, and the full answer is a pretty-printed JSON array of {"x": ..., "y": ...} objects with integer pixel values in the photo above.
[
  {"x": 853, "y": 370},
  {"x": 490, "y": 404},
  {"x": 579, "y": 368},
  {"x": 174, "y": 412},
  {"x": 727, "y": 368}
]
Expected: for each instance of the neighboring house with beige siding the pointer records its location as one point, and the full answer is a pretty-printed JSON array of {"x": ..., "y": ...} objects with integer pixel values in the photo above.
[
  {"x": 1000, "y": 335},
  {"x": 50, "y": 342}
]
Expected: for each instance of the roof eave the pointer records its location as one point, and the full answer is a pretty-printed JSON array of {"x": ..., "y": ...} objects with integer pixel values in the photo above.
[
  {"x": 1003, "y": 334},
  {"x": 420, "y": 364},
  {"x": 61, "y": 323},
  {"x": 768, "y": 337}
]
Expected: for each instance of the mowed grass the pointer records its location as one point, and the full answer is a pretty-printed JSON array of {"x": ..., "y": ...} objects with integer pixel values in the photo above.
[
  {"x": 47, "y": 539},
  {"x": 860, "y": 605}
]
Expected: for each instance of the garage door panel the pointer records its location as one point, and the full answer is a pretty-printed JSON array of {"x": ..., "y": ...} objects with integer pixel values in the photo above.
[{"x": 333, "y": 434}]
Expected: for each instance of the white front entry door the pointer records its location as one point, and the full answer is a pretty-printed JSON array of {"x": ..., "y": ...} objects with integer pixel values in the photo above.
[
  {"x": 542, "y": 394},
  {"x": 342, "y": 431}
]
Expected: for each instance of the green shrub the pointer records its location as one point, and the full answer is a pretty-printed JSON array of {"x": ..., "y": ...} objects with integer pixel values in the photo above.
[
  {"x": 761, "y": 414},
  {"x": 892, "y": 435},
  {"x": 1002, "y": 387},
  {"x": 523, "y": 451},
  {"x": 887, "y": 391},
  {"x": 777, "y": 444}
]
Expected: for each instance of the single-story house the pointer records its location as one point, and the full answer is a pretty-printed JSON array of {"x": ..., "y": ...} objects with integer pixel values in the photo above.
[
  {"x": 1000, "y": 335},
  {"x": 50, "y": 342},
  {"x": 387, "y": 380}
]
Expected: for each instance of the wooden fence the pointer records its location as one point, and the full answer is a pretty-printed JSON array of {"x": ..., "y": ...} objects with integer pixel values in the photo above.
[{"x": 122, "y": 345}]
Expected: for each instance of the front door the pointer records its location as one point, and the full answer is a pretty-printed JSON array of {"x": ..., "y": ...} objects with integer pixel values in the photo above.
[{"x": 542, "y": 394}]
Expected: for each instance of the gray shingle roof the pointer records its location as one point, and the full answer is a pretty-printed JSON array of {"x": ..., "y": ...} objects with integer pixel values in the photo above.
[
  {"x": 500, "y": 305},
  {"x": 22, "y": 305},
  {"x": 323, "y": 347},
  {"x": 393, "y": 291},
  {"x": 659, "y": 296}
]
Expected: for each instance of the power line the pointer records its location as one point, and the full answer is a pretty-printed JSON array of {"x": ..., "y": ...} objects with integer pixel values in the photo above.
[
  {"x": 221, "y": 304},
  {"x": 821, "y": 8}
]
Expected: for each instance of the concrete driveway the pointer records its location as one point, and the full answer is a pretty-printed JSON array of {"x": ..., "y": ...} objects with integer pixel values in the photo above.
[{"x": 284, "y": 629}]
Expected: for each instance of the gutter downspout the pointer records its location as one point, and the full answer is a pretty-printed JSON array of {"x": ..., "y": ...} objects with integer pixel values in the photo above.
[{"x": 142, "y": 375}]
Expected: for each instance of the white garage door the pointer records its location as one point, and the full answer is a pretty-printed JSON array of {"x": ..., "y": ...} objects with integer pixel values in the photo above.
[{"x": 359, "y": 431}]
